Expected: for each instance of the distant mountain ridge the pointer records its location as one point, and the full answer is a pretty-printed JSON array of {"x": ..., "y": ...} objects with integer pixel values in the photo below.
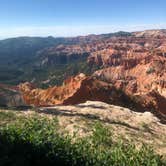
[{"x": 12, "y": 49}]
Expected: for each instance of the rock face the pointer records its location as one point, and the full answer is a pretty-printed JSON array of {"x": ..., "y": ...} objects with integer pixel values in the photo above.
[
  {"x": 73, "y": 91},
  {"x": 10, "y": 97},
  {"x": 82, "y": 48},
  {"x": 151, "y": 33},
  {"x": 53, "y": 95},
  {"x": 139, "y": 70},
  {"x": 136, "y": 65},
  {"x": 62, "y": 54}
]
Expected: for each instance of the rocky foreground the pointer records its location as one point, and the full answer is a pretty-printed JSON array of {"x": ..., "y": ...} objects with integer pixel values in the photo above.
[
  {"x": 124, "y": 123},
  {"x": 138, "y": 127}
]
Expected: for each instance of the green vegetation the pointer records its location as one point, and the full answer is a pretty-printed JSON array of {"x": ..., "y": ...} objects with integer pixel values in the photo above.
[
  {"x": 150, "y": 70},
  {"x": 55, "y": 74},
  {"x": 15, "y": 51},
  {"x": 37, "y": 141},
  {"x": 18, "y": 57},
  {"x": 6, "y": 117}
]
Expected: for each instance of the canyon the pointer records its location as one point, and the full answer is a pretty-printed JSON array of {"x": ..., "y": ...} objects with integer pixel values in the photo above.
[{"x": 129, "y": 69}]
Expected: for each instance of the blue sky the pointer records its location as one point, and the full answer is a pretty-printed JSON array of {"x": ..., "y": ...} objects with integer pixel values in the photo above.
[{"x": 78, "y": 17}]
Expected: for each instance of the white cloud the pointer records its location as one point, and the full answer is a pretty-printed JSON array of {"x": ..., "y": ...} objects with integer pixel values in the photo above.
[{"x": 68, "y": 31}]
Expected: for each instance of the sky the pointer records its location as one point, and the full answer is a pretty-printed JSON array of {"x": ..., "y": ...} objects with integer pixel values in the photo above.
[{"x": 79, "y": 17}]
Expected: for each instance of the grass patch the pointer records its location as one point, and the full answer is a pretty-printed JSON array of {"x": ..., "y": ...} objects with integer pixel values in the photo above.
[{"x": 6, "y": 117}]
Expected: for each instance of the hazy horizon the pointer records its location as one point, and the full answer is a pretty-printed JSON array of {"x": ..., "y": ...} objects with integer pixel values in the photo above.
[
  {"x": 64, "y": 18},
  {"x": 78, "y": 34}
]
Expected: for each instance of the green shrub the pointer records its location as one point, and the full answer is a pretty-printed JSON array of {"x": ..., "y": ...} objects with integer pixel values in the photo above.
[
  {"x": 37, "y": 141},
  {"x": 6, "y": 117},
  {"x": 150, "y": 70}
]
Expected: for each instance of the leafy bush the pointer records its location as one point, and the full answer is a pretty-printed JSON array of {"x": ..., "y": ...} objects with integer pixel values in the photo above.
[
  {"x": 150, "y": 70},
  {"x": 37, "y": 141}
]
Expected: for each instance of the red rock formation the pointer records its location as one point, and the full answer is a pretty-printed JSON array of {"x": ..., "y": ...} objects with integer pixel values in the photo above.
[
  {"x": 53, "y": 95},
  {"x": 74, "y": 90},
  {"x": 135, "y": 72},
  {"x": 10, "y": 96},
  {"x": 134, "y": 65}
]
